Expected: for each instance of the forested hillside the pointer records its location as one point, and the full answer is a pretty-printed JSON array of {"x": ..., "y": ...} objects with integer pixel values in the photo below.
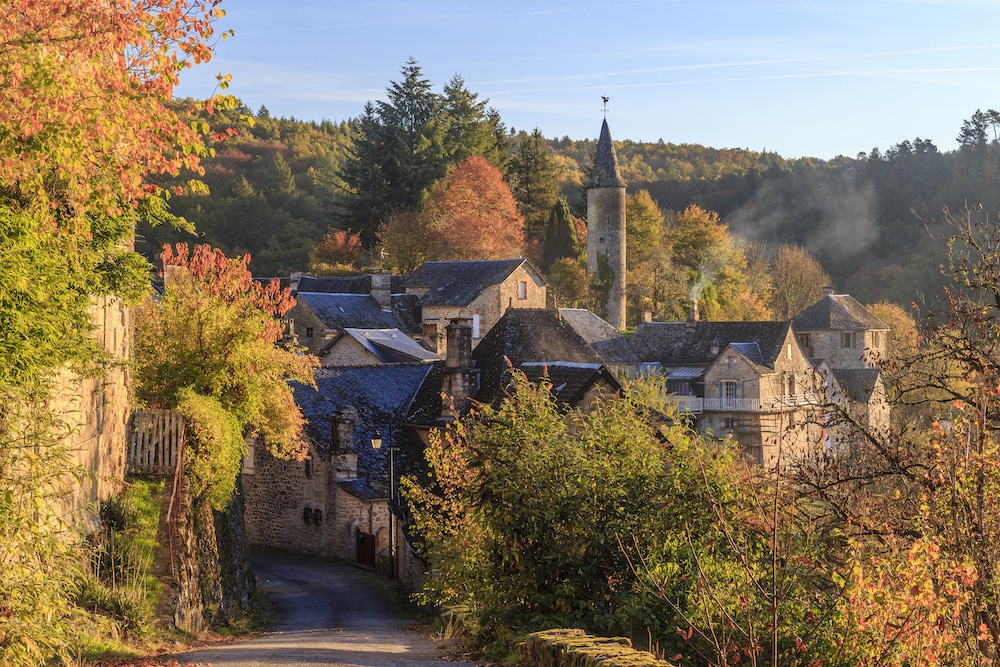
[{"x": 872, "y": 220}]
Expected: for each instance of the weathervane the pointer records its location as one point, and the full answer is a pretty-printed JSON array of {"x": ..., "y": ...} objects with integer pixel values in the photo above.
[{"x": 605, "y": 106}]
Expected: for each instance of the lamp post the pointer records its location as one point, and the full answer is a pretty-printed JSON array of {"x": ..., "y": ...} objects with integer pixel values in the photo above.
[{"x": 377, "y": 445}]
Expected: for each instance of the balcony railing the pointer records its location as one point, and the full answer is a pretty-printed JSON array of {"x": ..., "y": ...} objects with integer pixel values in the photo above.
[{"x": 697, "y": 404}]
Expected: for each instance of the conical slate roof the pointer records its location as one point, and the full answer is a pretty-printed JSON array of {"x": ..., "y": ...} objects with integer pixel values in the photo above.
[{"x": 606, "y": 163}]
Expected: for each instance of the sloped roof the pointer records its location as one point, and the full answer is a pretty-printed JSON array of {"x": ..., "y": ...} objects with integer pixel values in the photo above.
[
  {"x": 858, "y": 383},
  {"x": 751, "y": 351},
  {"x": 361, "y": 311},
  {"x": 389, "y": 345},
  {"x": 570, "y": 381},
  {"x": 361, "y": 284},
  {"x": 386, "y": 397},
  {"x": 605, "y": 174},
  {"x": 606, "y": 340},
  {"x": 838, "y": 312},
  {"x": 524, "y": 335},
  {"x": 679, "y": 344},
  {"x": 458, "y": 283}
]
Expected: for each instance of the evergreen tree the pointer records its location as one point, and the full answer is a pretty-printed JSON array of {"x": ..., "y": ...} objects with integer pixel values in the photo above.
[{"x": 534, "y": 180}]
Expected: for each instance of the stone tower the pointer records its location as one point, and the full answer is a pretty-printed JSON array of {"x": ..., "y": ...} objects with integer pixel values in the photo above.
[{"x": 606, "y": 224}]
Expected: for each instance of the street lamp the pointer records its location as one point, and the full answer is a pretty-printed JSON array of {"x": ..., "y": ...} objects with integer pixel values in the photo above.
[{"x": 377, "y": 445}]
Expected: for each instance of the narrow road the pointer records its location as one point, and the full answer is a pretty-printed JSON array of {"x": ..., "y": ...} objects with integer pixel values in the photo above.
[{"x": 331, "y": 614}]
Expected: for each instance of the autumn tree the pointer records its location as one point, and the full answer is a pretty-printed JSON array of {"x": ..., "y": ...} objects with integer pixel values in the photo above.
[
  {"x": 338, "y": 251},
  {"x": 215, "y": 333},
  {"x": 86, "y": 128},
  {"x": 471, "y": 215},
  {"x": 798, "y": 280}
]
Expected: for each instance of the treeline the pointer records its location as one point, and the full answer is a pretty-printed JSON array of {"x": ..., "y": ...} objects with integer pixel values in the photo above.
[{"x": 280, "y": 188}]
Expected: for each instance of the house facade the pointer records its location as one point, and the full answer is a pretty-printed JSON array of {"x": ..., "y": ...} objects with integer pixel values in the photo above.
[
  {"x": 747, "y": 380},
  {"x": 481, "y": 291}
]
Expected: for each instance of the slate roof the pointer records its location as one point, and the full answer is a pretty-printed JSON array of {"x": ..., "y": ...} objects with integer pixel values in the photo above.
[
  {"x": 570, "y": 381},
  {"x": 678, "y": 344},
  {"x": 361, "y": 284},
  {"x": 858, "y": 383},
  {"x": 751, "y": 351},
  {"x": 525, "y": 335},
  {"x": 606, "y": 340},
  {"x": 386, "y": 397},
  {"x": 458, "y": 283},
  {"x": 361, "y": 311},
  {"x": 388, "y": 345},
  {"x": 838, "y": 312},
  {"x": 606, "y": 173}
]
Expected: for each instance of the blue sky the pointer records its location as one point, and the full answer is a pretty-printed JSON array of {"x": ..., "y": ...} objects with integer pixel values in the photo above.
[{"x": 802, "y": 78}]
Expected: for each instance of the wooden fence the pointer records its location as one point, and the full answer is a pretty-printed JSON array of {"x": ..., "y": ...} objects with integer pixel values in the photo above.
[{"x": 155, "y": 438}]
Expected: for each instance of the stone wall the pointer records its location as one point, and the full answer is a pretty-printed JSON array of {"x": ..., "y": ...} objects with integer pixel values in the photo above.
[
  {"x": 575, "y": 648},
  {"x": 97, "y": 411},
  {"x": 279, "y": 492}
]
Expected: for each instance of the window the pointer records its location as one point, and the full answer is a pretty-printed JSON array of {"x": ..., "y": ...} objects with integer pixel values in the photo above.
[
  {"x": 728, "y": 425},
  {"x": 846, "y": 339},
  {"x": 730, "y": 361},
  {"x": 791, "y": 384},
  {"x": 788, "y": 350},
  {"x": 727, "y": 392},
  {"x": 876, "y": 340},
  {"x": 309, "y": 332},
  {"x": 522, "y": 289},
  {"x": 475, "y": 325},
  {"x": 805, "y": 341},
  {"x": 309, "y": 467}
]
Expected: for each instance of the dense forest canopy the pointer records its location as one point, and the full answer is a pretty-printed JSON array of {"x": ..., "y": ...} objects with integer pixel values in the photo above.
[{"x": 278, "y": 186}]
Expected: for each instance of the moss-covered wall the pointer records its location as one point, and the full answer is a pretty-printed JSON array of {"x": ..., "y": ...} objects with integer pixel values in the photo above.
[{"x": 575, "y": 648}]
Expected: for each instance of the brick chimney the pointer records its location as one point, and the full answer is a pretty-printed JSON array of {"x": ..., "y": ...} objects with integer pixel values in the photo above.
[
  {"x": 381, "y": 289},
  {"x": 343, "y": 455},
  {"x": 461, "y": 381},
  {"x": 647, "y": 316}
]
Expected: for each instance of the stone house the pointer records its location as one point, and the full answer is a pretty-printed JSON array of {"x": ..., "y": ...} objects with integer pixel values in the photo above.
[
  {"x": 841, "y": 331},
  {"x": 574, "y": 385},
  {"x": 747, "y": 380},
  {"x": 525, "y": 335},
  {"x": 325, "y": 307},
  {"x": 339, "y": 501},
  {"x": 847, "y": 344},
  {"x": 359, "y": 347},
  {"x": 481, "y": 290}
]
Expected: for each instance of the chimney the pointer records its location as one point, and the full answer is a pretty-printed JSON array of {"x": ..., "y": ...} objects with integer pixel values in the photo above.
[
  {"x": 431, "y": 336},
  {"x": 827, "y": 290},
  {"x": 647, "y": 316},
  {"x": 343, "y": 455},
  {"x": 293, "y": 280},
  {"x": 461, "y": 381},
  {"x": 381, "y": 289},
  {"x": 692, "y": 319}
]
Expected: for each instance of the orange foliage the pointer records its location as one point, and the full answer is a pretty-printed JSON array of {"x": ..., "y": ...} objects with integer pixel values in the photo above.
[
  {"x": 86, "y": 86},
  {"x": 338, "y": 246},
  {"x": 474, "y": 214}
]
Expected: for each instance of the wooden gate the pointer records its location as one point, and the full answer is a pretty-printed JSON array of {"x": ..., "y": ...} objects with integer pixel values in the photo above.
[
  {"x": 366, "y": 548},
  {"x": 155, "y": 438}
]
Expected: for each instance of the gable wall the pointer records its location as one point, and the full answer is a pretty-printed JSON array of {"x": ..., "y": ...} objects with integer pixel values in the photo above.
[
  {"x": 347, "y": 351},
  {"x": 303, "y": 317},
  {"x": 277, "y": 494},
  {"x": 826, "y": 344}
]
